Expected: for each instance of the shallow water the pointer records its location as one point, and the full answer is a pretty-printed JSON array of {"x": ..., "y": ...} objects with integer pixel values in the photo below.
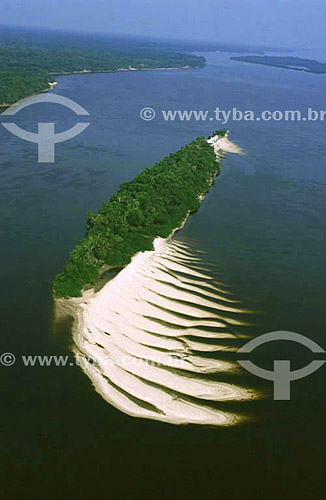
[{"x": 260, "y": 233}]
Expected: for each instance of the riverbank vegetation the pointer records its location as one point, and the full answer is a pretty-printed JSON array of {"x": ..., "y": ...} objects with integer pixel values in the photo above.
[
  {"x": 30, "y": 59},
  {"x": 289, "y": 62}
]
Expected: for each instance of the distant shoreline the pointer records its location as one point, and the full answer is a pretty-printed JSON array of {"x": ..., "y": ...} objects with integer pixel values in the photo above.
[
  {"x": 87, "y": 72},
  {"x": 286, "y": 62}
]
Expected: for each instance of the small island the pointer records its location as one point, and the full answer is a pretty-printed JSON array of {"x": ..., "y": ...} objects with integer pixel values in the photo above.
[
  {"x": 152, "y": 205},
  {"x": 294, "y": 63}
]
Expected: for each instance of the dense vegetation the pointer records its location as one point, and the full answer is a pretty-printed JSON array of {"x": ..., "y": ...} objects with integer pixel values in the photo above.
[
  {"x": 151, "y": 205},
  {"x": 28, "y": 59},
  {"x": 16, "y": 84},
  {"x": 219, "y": 133},
  {"x": 294, "y": 63}
]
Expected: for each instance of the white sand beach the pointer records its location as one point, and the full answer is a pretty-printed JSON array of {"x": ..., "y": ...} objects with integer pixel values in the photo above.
[{"x": 143, "y": 338}]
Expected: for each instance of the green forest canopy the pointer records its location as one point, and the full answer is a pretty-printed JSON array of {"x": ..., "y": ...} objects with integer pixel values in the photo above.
[
  {"x": 151, "y": 205},
  {"x": 29, "y": 62},
  {"x": 289, "y": 62}
]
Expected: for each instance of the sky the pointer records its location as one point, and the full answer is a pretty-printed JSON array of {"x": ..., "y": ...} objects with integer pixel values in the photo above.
[{"x": 293, "y": 23}]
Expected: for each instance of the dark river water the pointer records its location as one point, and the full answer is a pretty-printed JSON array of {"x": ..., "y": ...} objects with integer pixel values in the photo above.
[{"x": 262, "y": 228}]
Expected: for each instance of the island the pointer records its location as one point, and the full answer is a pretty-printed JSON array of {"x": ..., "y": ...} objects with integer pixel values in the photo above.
[
  {"x": 294, "y": 63},
  {"x": 152, "y": 205},
  {"x": 142, "y": 333}
]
